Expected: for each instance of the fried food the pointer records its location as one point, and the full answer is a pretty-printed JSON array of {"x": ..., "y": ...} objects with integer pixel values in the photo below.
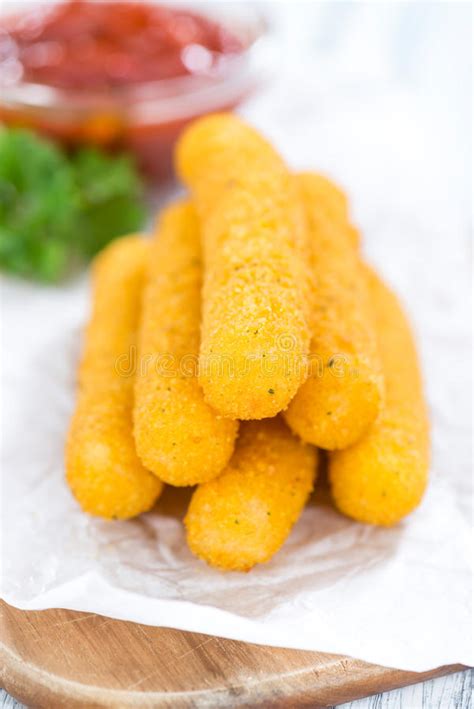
[
  {"x": 329, "y": 203},
  {"x": 102, "y": 467},
  {"x": 243, "y": 517},
  {"x": 383, "y": 476},
  {"x": 342, "y": 395},
  {"x": 254, "y": 336},
  {"x": 178, "y": 435}
]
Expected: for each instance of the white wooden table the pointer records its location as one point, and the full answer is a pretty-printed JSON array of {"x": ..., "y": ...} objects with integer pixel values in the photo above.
[{"x": 450, "y": 692}]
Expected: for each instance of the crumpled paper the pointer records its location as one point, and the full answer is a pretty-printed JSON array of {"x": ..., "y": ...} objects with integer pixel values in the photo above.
[{"x": 398, "y": 597}]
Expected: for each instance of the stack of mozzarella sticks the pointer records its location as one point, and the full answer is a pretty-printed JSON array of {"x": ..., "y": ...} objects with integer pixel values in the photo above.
[{"x": 246, "y": 335}]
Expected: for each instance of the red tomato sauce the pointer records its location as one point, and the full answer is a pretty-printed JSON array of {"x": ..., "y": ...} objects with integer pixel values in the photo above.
[
  {"x": 111, "y": 45},
  {"x": 104, "y": 53}
]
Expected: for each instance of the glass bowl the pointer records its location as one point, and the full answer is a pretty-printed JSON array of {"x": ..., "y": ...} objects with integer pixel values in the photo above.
[{"x": 146, "y": 118}]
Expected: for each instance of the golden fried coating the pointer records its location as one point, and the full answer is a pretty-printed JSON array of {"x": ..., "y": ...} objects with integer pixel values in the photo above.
[
  {"x": 342, "y": 395},
  {"x": 254, "y": 336},
  {"x": 102, "y": 467},
  {"x": 382, "y": 477},
  {"x": 178, "y": 436},
  {"x": 243, "y": 517},
  {"x": 329, "y": 203}
]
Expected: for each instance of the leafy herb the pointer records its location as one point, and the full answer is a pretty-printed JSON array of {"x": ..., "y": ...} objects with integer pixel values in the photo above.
[
  {"x": 56, "y": 209},
  {"x": 110, "y": 198}
]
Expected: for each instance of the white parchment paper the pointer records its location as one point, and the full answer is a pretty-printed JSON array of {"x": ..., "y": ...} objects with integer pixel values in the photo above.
[{"x": 399, "y": 597}]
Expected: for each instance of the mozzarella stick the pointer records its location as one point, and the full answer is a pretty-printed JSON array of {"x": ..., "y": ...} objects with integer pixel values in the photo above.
[
  {"x": 244, "y": 516},
  {"x": 254, "y": 336},
  {"x": 102, "y": 467},
  {"x": 329, "y": 203},
  {"x": 342, "y": 395},
  {"x": 383, "y": 476},
  {"x": 178, "y": 435}
]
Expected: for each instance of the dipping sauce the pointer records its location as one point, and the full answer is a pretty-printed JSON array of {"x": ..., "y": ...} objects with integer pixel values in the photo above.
[
  {"x": 108, "y": 46},
  {"x": 117, "y": 74}
]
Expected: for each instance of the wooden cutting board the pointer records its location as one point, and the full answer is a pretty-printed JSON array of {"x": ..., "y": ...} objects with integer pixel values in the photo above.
[{"x": 57, "y": 658}]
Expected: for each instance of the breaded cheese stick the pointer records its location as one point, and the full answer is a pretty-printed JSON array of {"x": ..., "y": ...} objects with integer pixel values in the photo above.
[
  {"x": 102, "y": 467},
  {"x": 254, "y": 335},
  {"x": 178, "y": 435},
  {"x": 383, "y": 476},
  {"x": 329, "y": 203},
  {"x": 342, "y": 395},
  {"x": 243, "y": 517}
]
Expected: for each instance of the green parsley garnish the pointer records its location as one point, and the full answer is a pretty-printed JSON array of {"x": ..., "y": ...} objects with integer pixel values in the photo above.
[{"x": 57, "y": 209}]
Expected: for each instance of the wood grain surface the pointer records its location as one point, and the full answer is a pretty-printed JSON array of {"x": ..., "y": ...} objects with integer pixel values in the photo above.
[
  {"x": 454, "y": 691},
  {"x": 57, "y": 658}
]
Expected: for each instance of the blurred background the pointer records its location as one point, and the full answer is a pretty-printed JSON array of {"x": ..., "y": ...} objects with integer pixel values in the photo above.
[{"x": 377, "y": 95}]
